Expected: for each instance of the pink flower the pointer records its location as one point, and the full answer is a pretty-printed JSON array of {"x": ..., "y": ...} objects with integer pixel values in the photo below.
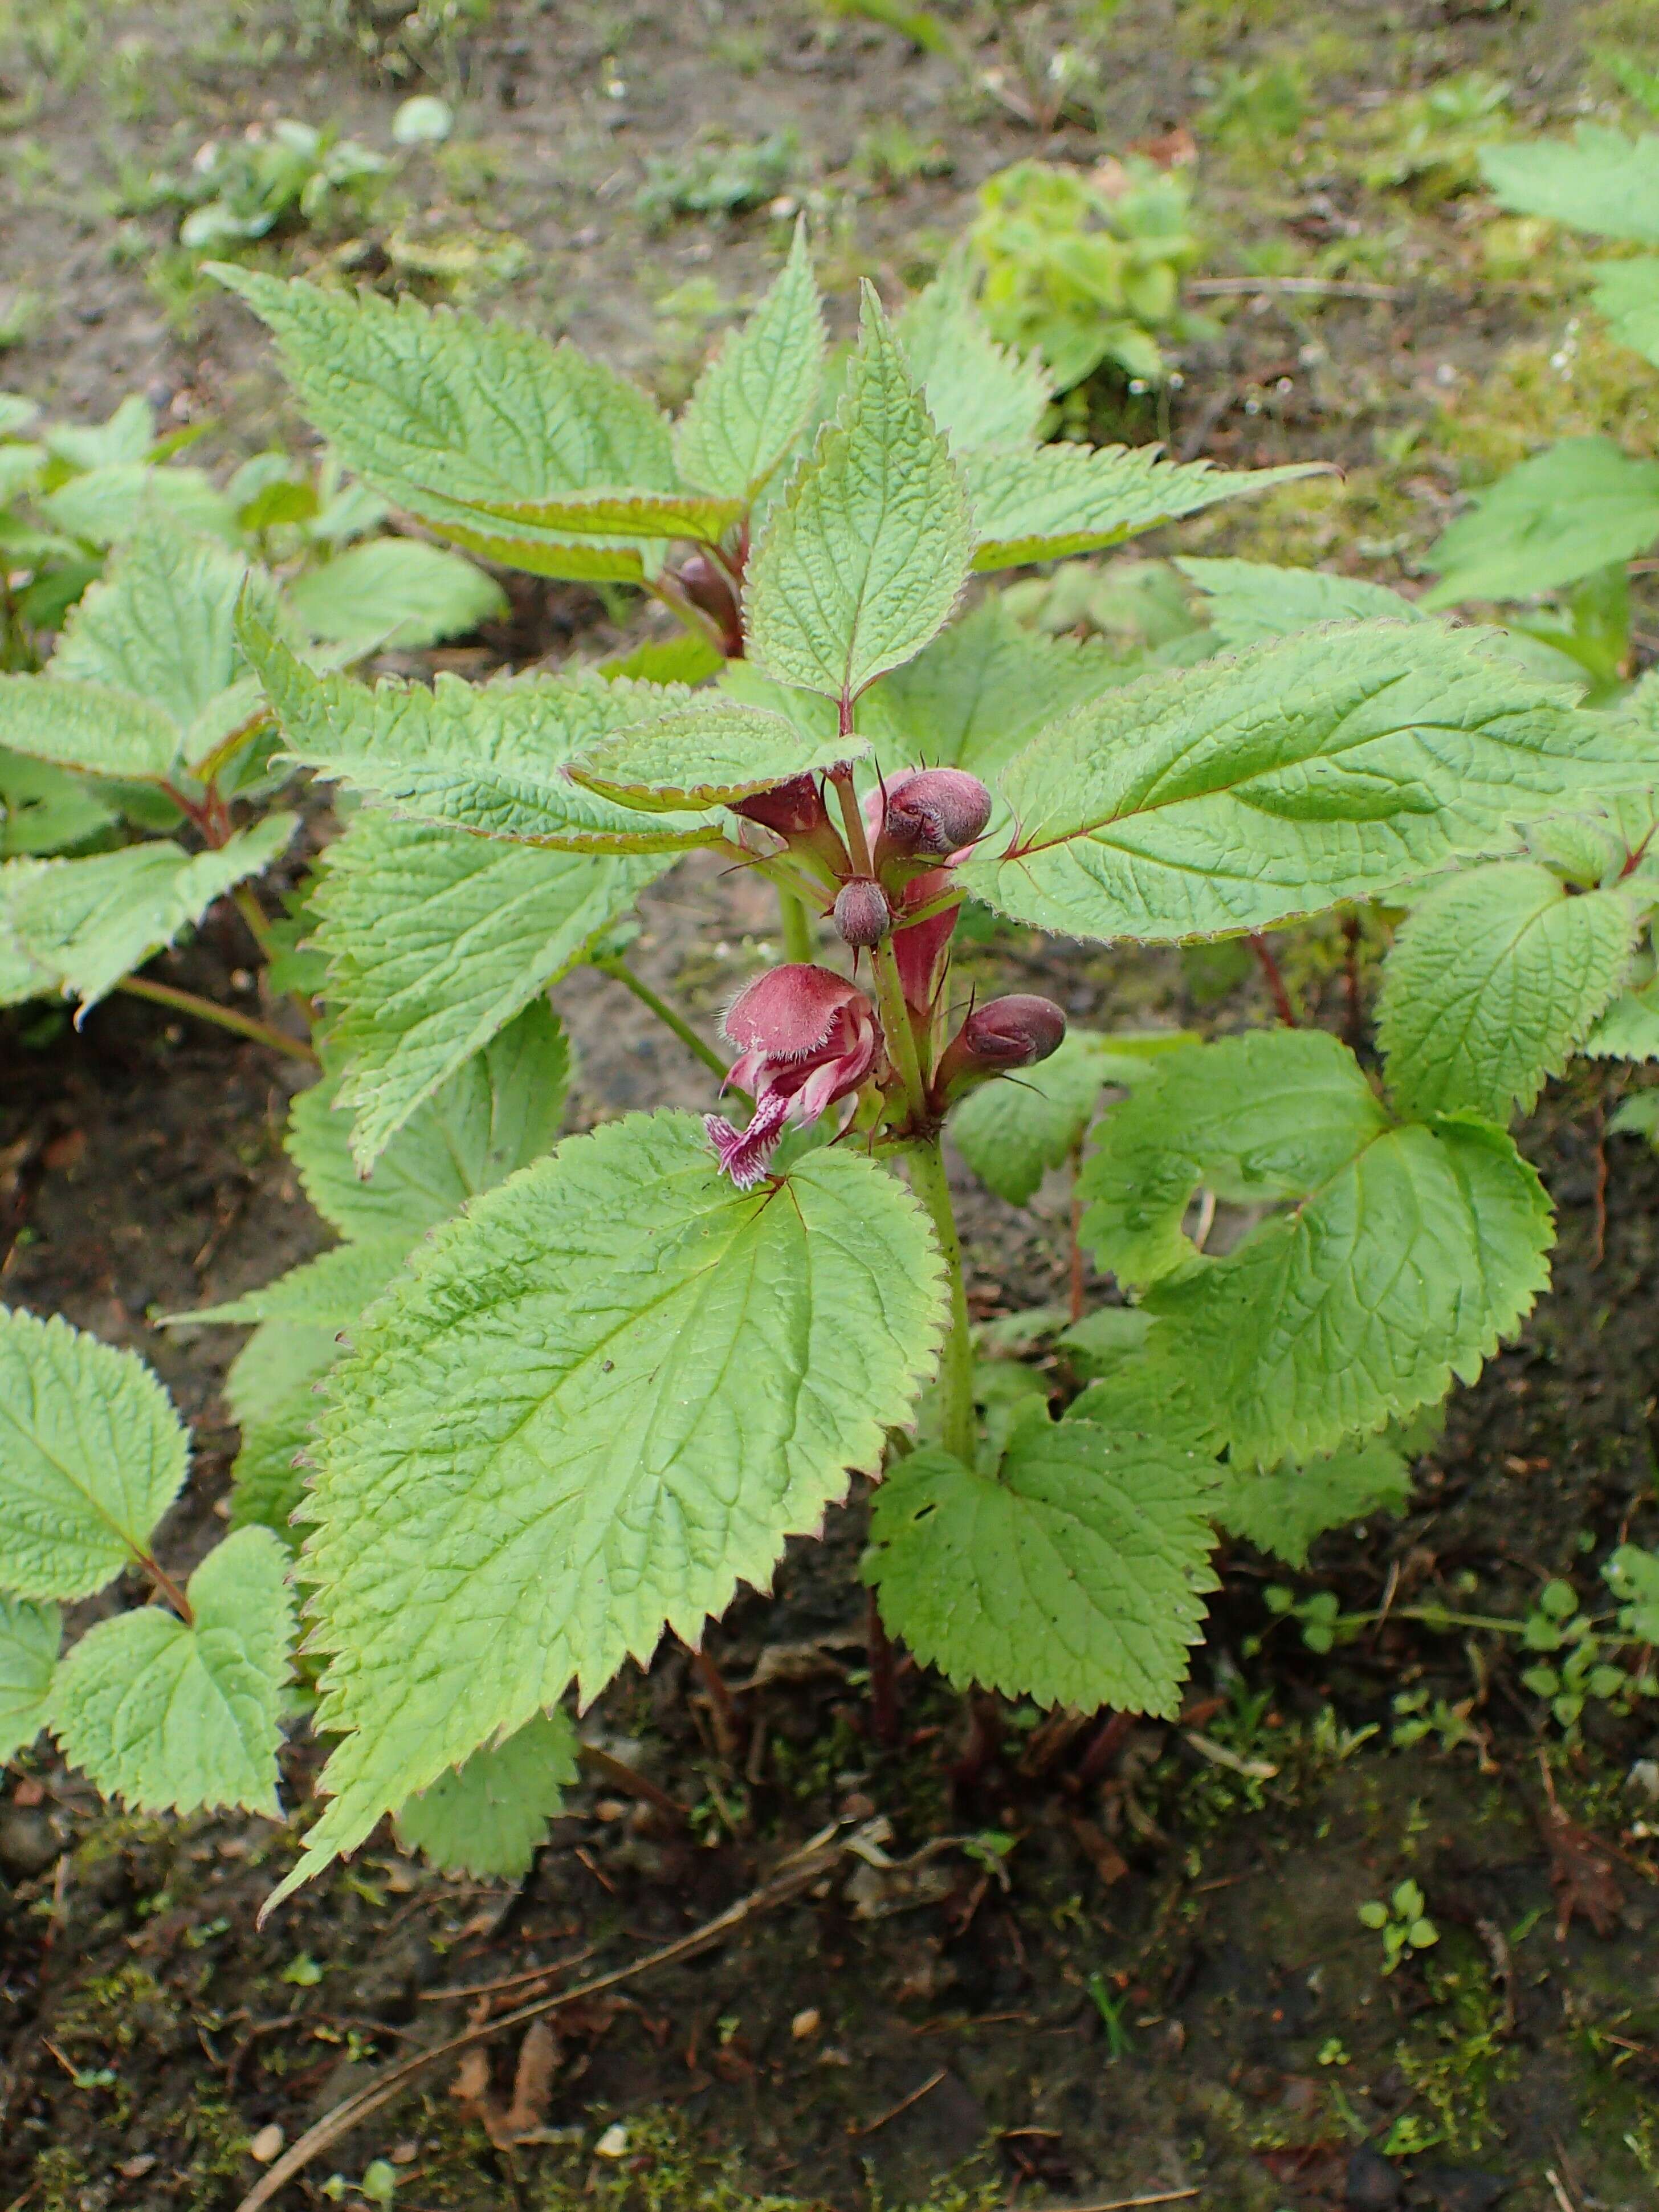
[{"x": 806, "y": 1038}]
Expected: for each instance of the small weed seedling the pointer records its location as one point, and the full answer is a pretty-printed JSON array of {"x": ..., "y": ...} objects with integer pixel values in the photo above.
[{"x": 1402, "y": 1924}]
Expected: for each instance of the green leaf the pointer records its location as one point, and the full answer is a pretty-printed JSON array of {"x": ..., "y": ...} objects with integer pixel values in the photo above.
[
  {"x": 637, "y": 514},
  {"x": 488, "y": 758},
  {"x": 1629, "y": 1029},
  {"x": 161, "y": 626},
  {"x": 446, "y": 414},
  {"x": 1632, "y": 1575},
  {"x": 1256, "y": 1118},
  {"x": 328, "y": 1293},
  {"x": 708, "y": 752},
  {"x": 43, "y": 808},
  {"x": 86, "y": 726},
  {"x": 1600, "y": 180},
  {"x": 864, "y": 557},
  {"x": 436, "y": 939},
  {"x": 1282, "y": 1508},
  {"x": 489, "y": 1818},
  {"x": 973, "y": 696},
  {"x": 758, "y": 394},
  {"x": 1063, "y": 500},
  {"x": 1250, "y": 601},
  {"x": 167, "y": 1717},
  {"x": 604, "y": 1396},
  {"x": 1012, "y": 1130},
  {"x": 1073, "y": 1576},
  {"x": 1398, "y": 1270},
  {"x": 1627, "y": 293},
  {"x": 978, "y": 393},
  {"x": 1335, "y": 764},
  {"x": 394, "y": 593},
  {"x": 495, "y": 1114},
  {"x": 91, "y": 1455},
  {"x": 106, "y": 505},
  {"x": 80, "y": 926},
  {"x": 29, "y": 1638},
  {"x": 1493, "y": 981},
  {"x": 1568, "y": 511}
]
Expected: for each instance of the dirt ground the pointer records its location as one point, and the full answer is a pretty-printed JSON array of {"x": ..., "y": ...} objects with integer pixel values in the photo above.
[{"x": 1068, "y": 1970}]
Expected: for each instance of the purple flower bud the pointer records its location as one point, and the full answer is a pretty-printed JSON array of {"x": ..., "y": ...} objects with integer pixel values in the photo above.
[
  {"x": 933, "y": 813},
  {"x": 862, "y": 914},
  {"x": 794, "y": 809},
  {"x": 997, "y": 1038}
]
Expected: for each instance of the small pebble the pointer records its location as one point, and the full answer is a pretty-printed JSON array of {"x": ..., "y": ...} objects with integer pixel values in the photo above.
[
  {"x": 613, "y": 2144},
  {"x": 266, "y": 2144},
  {"x": 805, "y": 2024}
]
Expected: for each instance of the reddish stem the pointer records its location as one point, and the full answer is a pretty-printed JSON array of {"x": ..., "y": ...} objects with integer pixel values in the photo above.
[
  {"x": 1104, "y": 1748},
  {"x": 169, "y": 1589},
  {"x": 1275, "y": 981},
  {"x": 728, "y": 1725},
  {"x": 883, "y": 1681}
]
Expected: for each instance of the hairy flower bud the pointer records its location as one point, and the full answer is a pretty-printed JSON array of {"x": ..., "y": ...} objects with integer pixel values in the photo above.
[
  {"x": 997, "y": 1038},
  {"x": 933, "y": 813},
  {"x": 862, "y": 916}
]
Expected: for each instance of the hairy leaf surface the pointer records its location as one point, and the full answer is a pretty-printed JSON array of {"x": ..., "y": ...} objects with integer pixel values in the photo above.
[
  {"x": 436, "y": 939},
  {"x": 1251, "y": 601},
  {"x": 1014, "y": 1129},
  {"x": 1574, "y": 508},
  {"x": 1282, "y": 1508},
  {"x": 758, "y": 394},
  {"x": 91, "y": 1455},
  {"x": 484, "y": 757},
  {"x": 710, "y": 751},
  {"x": 87, "y": 726},
  {"x": 448, "y": 413},
  {"x": 863, "y": 556},
  {"x": 169, "y": 1717},
  {"x": 1049, "y": 504},
  {"x": 394, "y": 593},
  {"x": 602, "y": 1398},
  {"x": 1334, "y": 764},
  {"x": 977, "y": 392},
  {"x": 489, "y": 1818},
  {"x": 29, "y": 1636},
  {"x": 1493, "y": 981},
  {"x": 1073, "y": 1576}
]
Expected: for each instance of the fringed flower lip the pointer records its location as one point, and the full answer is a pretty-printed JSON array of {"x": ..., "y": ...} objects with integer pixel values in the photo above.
[{"x": 806, "y": 1037}]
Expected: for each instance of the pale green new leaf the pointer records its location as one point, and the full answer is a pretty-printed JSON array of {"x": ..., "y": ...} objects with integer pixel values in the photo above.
[
  {"x": 602, "y": 1398},
  {"x": 496, "y": 1114},
  {"x": 1250, "y": 601},
  {"x": 436, "y": 939},
  {"x": 1400, "y": 1269},
  {"x": 977, "y": 392},
  {"x": 91, "y": 1455},
  {"x": 1048, "y": 504},
  {"x": 1073, "y": 1576},
  {"x": 1576, "y": 507},
  {"x": 160, "y": 624},
  {"x": 1335, "y": 764},
  {"x": 1012, "y": 1130},
  {"x": 973, "y": 696},
  {"x": 609, "y": 513},
  {"x": 83, "y": 925},
  {"x": 1627, "y": 293},
  {"x": 1630, "y": 1028},
  {"x": 1282, "y": 1508},
  {"x": 709, "y": 752},
  {"x": 1255, "y": 1119},
  {"x": 29, "y": 1638},
  {"x": 109, "y": 502},
  {"x": 489, "y": 1818},
  {"x": 85, "y": 726},
  {"x": 758, "y": 394},
  {"x": 488, "y": 758},
  {"x": 1600, "y": 180},
  {"x": 394, "y": 593},
  {"x": 44, "y": 809},
  {"x": 1493, "y": 981},
  {"x": 170, "y": 1718},
  {"x": 446, "y": 414},
  {"x": 864, "y": 556},
  {"x": 1632, "y": 1575}
]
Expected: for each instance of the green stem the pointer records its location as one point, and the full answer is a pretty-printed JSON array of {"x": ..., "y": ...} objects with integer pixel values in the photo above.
[
  {"x": 664, "y": 1013},
  {"x": 799, "y": 941},
  {"x": 897, "y": 1030},
  {"x": 958, "y": 1432},
  {"x": 203, "y": 1010},
  {"x": 688, "y": 612},
  {"x": 259, "y": 928}
]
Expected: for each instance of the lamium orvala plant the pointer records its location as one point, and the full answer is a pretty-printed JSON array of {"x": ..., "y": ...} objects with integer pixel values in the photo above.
[{"x": 592, "y": 1386}]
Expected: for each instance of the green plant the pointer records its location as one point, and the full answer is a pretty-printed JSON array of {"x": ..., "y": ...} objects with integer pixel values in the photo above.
[
  {"x": 1085, "y": 269},
  {"x": 1584, "y": 508},
  {"x": 718, "y": 179},
  {"x": 594, "y": 1385},
  {"x": 1437, "y": 139},
  {"x": 241, "y": 189},
  {"x": 1402, "y": 1922}
]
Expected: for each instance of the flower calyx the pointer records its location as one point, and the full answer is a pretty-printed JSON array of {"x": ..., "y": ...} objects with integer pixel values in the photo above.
[{"x": 997, "y": 1039}]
